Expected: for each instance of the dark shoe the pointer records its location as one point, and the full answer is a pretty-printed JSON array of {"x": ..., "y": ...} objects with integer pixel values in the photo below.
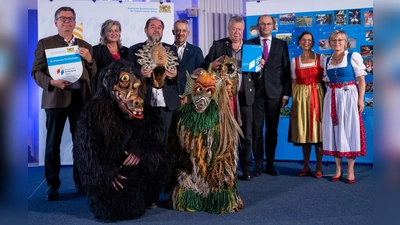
[
  {"x": 79, "y": 188},
  {"x": 51, "y": 193},
  {"x": 257, "y": 172},
  {"x": 336, "y": 179},
  {"x": 151, "y": 206},
  {"x": 247, "y": 175},
  {"x": 272, "y": 172},
  {"x": 306, "y": 173}
]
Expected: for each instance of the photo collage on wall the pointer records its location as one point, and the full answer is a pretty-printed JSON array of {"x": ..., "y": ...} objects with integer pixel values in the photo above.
[{"x": 358, "y": 24}]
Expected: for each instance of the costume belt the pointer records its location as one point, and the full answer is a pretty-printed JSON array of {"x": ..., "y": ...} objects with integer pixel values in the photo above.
[{"x": 333, "y": 86}]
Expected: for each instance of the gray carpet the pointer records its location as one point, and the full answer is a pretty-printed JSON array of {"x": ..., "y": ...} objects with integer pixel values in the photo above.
[{"x": 284, "y": 199}]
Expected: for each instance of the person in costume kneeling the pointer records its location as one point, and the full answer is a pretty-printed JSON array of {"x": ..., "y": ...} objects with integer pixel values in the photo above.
[
  {"x": 205, "y": 138},
  {"x": 119, "y": 149}
]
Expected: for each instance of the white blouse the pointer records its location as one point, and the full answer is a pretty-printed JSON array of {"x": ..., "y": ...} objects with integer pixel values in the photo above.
[
  {"x": 356, "y": 62},
  {"x": 304, "y": 65}
]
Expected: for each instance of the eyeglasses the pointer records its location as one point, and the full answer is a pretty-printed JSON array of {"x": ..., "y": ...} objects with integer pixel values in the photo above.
[
  {"x": 64, "y": 19},
  {"x": 337, "y": 40},
  {"x": 266, "y": 24}
]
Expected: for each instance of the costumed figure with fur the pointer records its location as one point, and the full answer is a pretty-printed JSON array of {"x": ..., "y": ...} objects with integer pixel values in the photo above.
[
  {"x": 119, "y": 150},
  {"x": 205, "y": 138}
]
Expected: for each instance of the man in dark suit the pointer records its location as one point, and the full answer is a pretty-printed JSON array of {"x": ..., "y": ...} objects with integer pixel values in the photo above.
[
  {"x": 165, "y": 99},
  {"x": 61, "y": 99},
  {"x": 273, "y": 88},
  {"x": 232, "y": 47},
  {"x": 190, "y": 56}
]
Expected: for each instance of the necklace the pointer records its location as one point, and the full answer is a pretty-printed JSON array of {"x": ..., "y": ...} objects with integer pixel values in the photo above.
[{"x": 337, "y": 59}]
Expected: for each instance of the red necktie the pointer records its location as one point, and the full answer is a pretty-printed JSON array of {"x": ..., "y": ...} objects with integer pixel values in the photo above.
[{"x": 265, "y": 49}]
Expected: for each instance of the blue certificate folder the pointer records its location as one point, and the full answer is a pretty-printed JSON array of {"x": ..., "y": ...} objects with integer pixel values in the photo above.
[{"x": 251, "y": 57}]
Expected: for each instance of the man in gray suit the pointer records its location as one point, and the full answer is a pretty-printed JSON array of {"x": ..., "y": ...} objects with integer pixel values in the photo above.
[
  {"x": 61, "y": 99},
  {"x": 273, "y": 88}
]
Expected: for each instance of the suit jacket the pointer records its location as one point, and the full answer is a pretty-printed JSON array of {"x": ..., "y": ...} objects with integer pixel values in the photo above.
[
  {"x": 170, "y": 89},
  {"x": 103, "y": 58},
  {"x": 192, "y": 59},
  {"x": 54, "y": 97},
  {"x": 224, "y": 47},
  {"x": 276, "y": 71}
]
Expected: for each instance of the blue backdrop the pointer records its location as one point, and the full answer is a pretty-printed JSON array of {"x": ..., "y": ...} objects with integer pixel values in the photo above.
[{"x": 358, "y": 24}]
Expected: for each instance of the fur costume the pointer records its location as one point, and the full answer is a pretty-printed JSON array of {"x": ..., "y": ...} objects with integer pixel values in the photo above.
[
  {"x": 205, "y": 137},
  {"x": 115, "y": 121}
]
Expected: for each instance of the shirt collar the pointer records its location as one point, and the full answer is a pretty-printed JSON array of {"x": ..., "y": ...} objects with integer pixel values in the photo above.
[
  {"x": 183, "y": 46},
  {"x": 71, "y": 42},
  {"x": 268, "y": 38}
]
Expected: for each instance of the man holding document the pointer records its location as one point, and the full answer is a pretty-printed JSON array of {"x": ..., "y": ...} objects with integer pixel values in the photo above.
[
  {"x": 63, "y": 67},
  {"x": 272, "y": 90}
]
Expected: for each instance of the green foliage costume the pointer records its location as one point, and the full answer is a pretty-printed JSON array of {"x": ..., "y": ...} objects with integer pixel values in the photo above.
[{"x": 205, "y": 138}]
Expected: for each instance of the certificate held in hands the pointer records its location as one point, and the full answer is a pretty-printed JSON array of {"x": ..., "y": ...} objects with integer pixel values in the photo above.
[
  {"x": 64, "y": 63},
  {"x": 251, "y": 57}
]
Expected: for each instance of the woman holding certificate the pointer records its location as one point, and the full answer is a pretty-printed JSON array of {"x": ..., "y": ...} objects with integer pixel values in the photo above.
[
  {"x": 308, "y": 95},
  {"x": 109, "y": 48}
]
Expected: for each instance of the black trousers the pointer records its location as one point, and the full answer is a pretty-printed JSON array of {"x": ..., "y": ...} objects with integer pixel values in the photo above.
[
  {"x": 55, "y": 121},
  {"x": 246, "y": 113},
  {"x": 166, "y": 116},
  {"x": 268, "y": 110}
]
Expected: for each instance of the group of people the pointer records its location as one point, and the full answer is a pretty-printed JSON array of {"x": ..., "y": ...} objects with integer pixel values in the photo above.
[
  {"x": 114, "y": 73},
  {"x": 331, "y": 120}
]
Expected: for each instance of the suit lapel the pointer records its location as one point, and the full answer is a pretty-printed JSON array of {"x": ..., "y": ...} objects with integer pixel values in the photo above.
[
  {"x": 185, "y": 55},
  {"x": 107, "y": 53},
  {"x": 273, "y": 46},
  {"x": 228, "y": 48}
]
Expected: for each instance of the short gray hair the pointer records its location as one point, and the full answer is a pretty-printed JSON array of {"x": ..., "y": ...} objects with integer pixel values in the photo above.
[{"x": 235, "y": 19}]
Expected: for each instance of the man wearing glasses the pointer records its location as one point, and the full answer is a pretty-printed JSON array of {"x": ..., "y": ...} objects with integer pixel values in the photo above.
[
  {"x": 272, "y": 91},
  {"x": 61, "y": 99}
]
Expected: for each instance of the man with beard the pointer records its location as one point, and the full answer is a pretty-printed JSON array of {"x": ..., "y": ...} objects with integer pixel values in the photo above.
[{"x": 164, "y": 99}]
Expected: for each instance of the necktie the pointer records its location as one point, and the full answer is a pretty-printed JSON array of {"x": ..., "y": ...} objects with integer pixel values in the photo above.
[{"x": 265, "y": 49}]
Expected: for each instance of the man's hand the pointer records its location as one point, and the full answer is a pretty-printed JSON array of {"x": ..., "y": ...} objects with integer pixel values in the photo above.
[
  {"x": 62, "y": 84},
  {"x": 116, "y": 182},
  {"x": 216, "y": 64},
  {"x": 171, "y": 74},
  {"x": 146, "y": 73},
  {"x": 131, "y": 160},
  {"x": 183, "y": 100},
  {"x": 284, "y": 102},
  {"x": 262, "y": 63},
  {"x": 85, "y": 54}
]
